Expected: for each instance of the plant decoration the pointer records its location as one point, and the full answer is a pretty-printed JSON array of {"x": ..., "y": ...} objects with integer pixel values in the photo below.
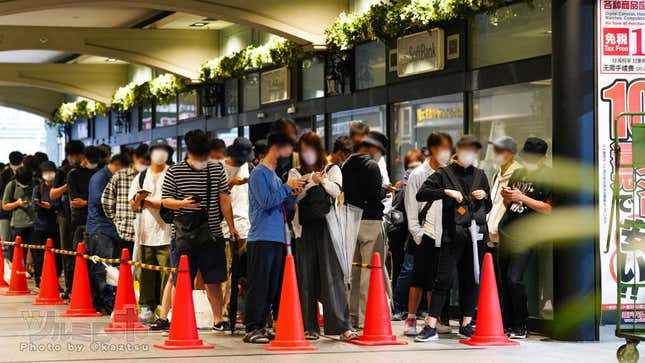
[
  {"x": 160, "y": 89},
  {"x": 165, "y": 87},
  {"x": 278, "y": 51},
  {"x": 68, "y": 112}
]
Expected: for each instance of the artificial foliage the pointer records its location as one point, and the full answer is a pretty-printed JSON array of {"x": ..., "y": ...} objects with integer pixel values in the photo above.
[
  {"x": 160, "y": 89},
  {"x": 68, "y": 112}
]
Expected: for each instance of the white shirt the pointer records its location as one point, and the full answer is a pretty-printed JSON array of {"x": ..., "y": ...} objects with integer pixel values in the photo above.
[
  {"x": 239, "y": 201},
  {"x": 149, "y": 228},
  {"x": 387, "y": 201},
  {"x": 498, "y": 209},
  {"x": 432, "y": 226}
]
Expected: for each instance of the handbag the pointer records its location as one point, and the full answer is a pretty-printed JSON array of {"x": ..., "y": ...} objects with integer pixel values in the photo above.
[{"x": 192, "y": 231}]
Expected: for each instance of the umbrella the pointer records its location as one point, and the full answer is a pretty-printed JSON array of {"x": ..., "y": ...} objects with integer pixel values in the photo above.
[
  {"x": 343, "y": 222},
  {"x": 475, "y": 236}
]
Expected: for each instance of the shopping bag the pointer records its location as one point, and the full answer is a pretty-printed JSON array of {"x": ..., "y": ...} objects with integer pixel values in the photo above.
[
  {"x": 7, "y": 271},
  {"x": 203, "y": 314},
  {"x": 111, "y": 275}
]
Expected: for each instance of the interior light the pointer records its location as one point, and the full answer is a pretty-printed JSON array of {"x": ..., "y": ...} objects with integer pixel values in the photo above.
[
  {"x": 199, "y": 24},
  {"x": 111, "y": 60}
]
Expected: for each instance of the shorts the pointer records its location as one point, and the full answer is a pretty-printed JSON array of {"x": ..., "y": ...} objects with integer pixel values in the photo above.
[
  {"x": 426, "y": 260},
  {"x": 210, "y": 261}
]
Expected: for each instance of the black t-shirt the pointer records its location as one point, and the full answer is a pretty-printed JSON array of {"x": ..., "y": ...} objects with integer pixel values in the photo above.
[
  {"x": 6, "y": 176},
  {"x": 59, "y": 180},
  {"x": 78, "y": 183},
  {"x": 532, "y": 185}
]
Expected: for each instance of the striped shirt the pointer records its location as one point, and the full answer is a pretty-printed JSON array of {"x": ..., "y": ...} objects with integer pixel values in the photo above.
[{"x": 182, "y": 182}]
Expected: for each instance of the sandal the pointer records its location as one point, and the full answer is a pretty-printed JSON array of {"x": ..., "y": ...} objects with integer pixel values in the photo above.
[
  {"x": 255, "y": 337},
  {"x": 312, "y": 336},
  {"x": 349, "y": 336}
]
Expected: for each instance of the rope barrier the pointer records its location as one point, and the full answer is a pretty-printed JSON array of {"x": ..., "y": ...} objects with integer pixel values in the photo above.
[
  {"x": 364, "y": 265},
  {"x": 94, "y": 258}
]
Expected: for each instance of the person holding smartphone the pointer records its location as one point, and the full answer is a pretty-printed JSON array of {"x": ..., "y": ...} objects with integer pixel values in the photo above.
[{"x": 45, "y": 222}]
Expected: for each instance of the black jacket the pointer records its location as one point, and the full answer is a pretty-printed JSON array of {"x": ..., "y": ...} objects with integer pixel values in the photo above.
[
  {"x": 363, "y": 185},
  {"x": 433, "y": 189}
]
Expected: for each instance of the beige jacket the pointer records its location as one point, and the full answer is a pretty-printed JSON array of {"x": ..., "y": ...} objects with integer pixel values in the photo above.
[{"x": 497, "y": 211}]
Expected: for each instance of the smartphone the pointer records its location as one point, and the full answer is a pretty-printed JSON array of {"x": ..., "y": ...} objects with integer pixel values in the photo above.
[
  {"x": 142, "y": 191},
  {"x": 197, "y": 198}
]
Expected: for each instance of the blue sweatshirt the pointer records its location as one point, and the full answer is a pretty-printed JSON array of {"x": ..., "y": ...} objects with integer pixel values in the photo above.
[
  {"x": 267, "y": 194},
  {"x": 97, "y": 222}
]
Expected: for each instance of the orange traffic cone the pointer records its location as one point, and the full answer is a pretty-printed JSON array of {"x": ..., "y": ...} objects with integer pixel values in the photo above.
[
  {"x": 125, "y": 307},
  {"x": 290, "y": 330},
  {"x": 81, "y": 302},
  {"x": 378, "y": 327},
  {"x": 18, "y": 282},
  {"x": 49, "y": 280},
  {"x": 321, "y": 319},
  {"x": 489, "y": 330},
  {"x": 183, "y": 327},
  {"x": 3, "y": 283}
]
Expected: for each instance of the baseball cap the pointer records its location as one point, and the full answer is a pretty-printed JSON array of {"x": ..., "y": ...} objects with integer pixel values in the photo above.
[
  {"x": 505, "y": 143},
  {"x": 535, "y": 146}
]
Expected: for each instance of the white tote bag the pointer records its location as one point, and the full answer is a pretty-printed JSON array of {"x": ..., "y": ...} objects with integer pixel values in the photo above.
[{"x": 203, "y": 313}]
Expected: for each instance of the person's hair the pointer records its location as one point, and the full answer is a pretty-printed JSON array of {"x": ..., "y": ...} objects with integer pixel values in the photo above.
[
  {"x": 47, "y": 166},
  {"x": 142, "y": 151},
  {"x": 74, "y": 147},
  {"x": 42, "y": 157},
  {"x": 93, "y": 154},
  {"x": 24, "y": 175},
  {"x": 344, "y": 144},
  {"x": 312, "y": 140},
  {"x": 197, "y": 142},
  {"x": 279, "y": 139},
  {"x": 260, "y": 147},
  {"x": 216, "y": 145},
  {"x": 32, "y": 163},
  {"x": 412, "y": 156},
  {"x": 282, "y": 124},
  {"x": 15, "y": 157},
  {"x": 121, "y": 158},
  {"x": 437, "y": 138},
  {"x": 359, "y": 128}
]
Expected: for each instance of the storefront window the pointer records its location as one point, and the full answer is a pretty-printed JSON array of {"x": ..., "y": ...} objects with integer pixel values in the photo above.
[
  {"x": 520, "y": 111},
  {"x": 313, "y": 78},
  {"x": 372, "y": 116},
  {"x": 515, "y": 32},
  {"x": 231, "y": 96},
  {"x": 370, "y": 65},
  {"x": 228, "y": 135},
  {"x": 320, "y": 126},
  {"x": 251, "y": 92},
  {"x": 172, "y": 141},
  {"x": 187, "y": 105},
  {"x": 166, "y": 114},
  {"x": 146, "y": 117},
  {"x": 415, "y": 120}
]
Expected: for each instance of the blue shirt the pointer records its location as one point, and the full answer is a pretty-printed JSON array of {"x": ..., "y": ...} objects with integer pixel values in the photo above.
[
  {"x": 97, "y": 222},
  {"x": 45, "y": 218},
  {"x": 267, "y": 194}
]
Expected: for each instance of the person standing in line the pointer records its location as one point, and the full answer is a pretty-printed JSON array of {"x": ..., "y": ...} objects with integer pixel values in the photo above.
[
  {"x": 217, "y": 150},
  {"x": 152, "y": 234},
  {"x": 289, "y": 127},
  {"x": 424, "y": 224},
  {"x": 343, "y": 148},
  {"x": 78, "y": 182},
  {"x": 269, "y": 201},
  {"x": 320, "y": 276},
  {"x": 45, "y": 222},
  {"x": 363, "y": 188},
  {"x": 7, "y": 175},
  {"x": 464, "y": 192},
  {"x": 527, "y": 194},
  {"x": 17, "y": 200},
  {"x": 58, "y": 193},
  {"x": 197, "y": 191},
  {"x": 103, "y": 238}
]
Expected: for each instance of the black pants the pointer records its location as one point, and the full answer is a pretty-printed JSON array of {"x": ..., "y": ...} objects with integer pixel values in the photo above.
[
  {"x": 26, "y": 234},
  {"x": 320, "y": 278},
  {"x": 513, "y": 264},
  {"x": 265, "y": 267},
  {"x": 65, "y": 236},
  {"x": 457, "y": 253},
  {"x": 40, "y": 238}
]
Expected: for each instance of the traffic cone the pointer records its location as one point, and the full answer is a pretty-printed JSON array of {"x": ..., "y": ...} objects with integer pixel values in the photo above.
[
  {"x": 48, "y": 294},
  {"x": 183, "y": 327},
  {"x": 378, "y": 327},
  {"x": 81, "y": 302},
  {"x": 3, "y": 283},
  {"x": 489, "y": 330},
  {"x": 290, "y": 330},
  {"x": 125, "y": 307},
  {"x": 18, "y": 282},
  {"x": 321, "y": 319}
]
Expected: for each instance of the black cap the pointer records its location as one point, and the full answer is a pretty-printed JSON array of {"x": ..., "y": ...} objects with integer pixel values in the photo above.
[
  {"x": 375, "y": 138},
  {"x": 161, "y": 144},
  {"x": 469, "y": 140},
  {"x": 241, "y": 149},
  {"x": 535, "y": 146},
  {"x": 47, "y": 166}
]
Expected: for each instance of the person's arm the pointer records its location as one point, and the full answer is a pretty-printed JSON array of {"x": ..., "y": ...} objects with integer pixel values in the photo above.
[
  {"x": 332, "y": 182},
  {"x": 169, "y": 195},
  {"x": 259, "y": 185},
  {"x": 412, "y": 206},
  {"x": 60, "y": 186},
  {"x": 7, "y": 204},
  {"x": 432, "y": 188},
  {"x": 108, "y": 198}
]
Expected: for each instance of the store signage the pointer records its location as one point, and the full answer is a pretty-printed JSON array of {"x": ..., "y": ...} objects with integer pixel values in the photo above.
[
  {"x": 621, "y": 87},
  {"x": 420, "y": 53},
  {"x": 275, "y": 85}
]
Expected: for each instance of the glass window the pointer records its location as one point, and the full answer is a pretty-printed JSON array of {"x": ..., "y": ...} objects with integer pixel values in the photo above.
[
  {"x": 146, "y": 117},
  {"x": 188, "y": 105},
  {"x": 228, "y": 135},
  {"x": 372, "y": 116},
  {"x": 520, "y": 31},
  {"x": 166, "y": 114},
  {"x": 370, "y": 65},
  {"x": 172, "y": 141},
  {"x": 251, "y": 92},
  {"x": 415, "y": 120},
  {"x": 320, "y": 126},
  {"x": 313, "y": 78},
  {"x": 231, "y": 96}
]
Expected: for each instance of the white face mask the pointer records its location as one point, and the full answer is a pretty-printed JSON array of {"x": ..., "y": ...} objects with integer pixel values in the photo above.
[
  {"x": 92, "y": 166},
  {"x": 140, "y": 167},
  {"x": 531, "y": 167},
  {"x": 499, "y": 159},
  {"x": 49, "y": 175},
  {"x": 466, "y": 158},
  {"x": 159, "y": 156},
  {"x": 309, "y": 157},
  {"x": 198, "y": 165},
  {"x": 443, "y": 157}
]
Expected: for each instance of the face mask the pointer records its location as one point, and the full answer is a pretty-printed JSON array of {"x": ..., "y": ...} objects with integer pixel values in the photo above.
[
  {"x": 92, "y": 166},
  {"x": 309, "y": 157},
  {"x": 221, "y": 161},
  {"x": 443, "y": 157},
  {"x": 49, "y": 175},
  {"x": 140, "y": 167},
  {"x": 199, "y": 165},
  {"x": 284, "y": 161},
  {"x": 466, "y": 158},
  {"x": 531, "y": 167},
  {"x": 377, "y": 157},
  {"x": 499, "y": 159},
  {"x": 159, "y": 156}
]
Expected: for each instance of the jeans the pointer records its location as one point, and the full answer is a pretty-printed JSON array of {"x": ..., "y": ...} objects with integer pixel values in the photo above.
[
  {"x": 401, "y": 291},
  {"x": 103, "y": 294}
]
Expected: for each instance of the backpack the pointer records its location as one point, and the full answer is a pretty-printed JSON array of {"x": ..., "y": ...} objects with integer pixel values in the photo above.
[
  {"x": 396, "y": 220},
  {"x": 166, "y": 214}
]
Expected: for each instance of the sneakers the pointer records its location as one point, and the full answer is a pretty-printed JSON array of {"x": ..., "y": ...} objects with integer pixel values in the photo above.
[
  {"x": 222, "y": 326},
  {"x": 399, "y": 316},
  {"x": 146, "y": 315},
  {"x": 520, "y": 333},
  {"x": 467, "y": 330},
  {"x": 443, "y": 328},
  {"x": 160, "y": 325},
  {"x": 427, "y": 334},
  {"x": 410, "y": 326}
]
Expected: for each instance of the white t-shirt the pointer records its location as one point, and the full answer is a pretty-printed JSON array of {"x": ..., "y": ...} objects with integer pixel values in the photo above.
[
  {"x": 239, "y": 201},
  {"x": 149, "y": 228}
]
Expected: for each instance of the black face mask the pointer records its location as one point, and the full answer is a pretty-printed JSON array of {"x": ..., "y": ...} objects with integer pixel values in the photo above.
[
  {"x": 24, "y": 178},
  {"x": 284, "y": 162}
]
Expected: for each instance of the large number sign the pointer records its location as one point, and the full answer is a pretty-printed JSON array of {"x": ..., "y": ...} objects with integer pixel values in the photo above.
[{"x": 621, "y": 88}]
